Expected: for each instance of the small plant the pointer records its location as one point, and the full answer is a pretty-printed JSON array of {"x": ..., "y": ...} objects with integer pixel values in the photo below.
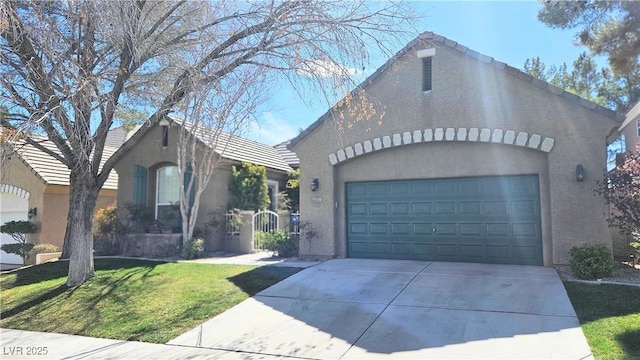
[
  {"x": 18, "y": 230},
  {"x": 590, "y": 262},
  {"x": 139, "y": 218},
  {"x": 109, "y": 232},
  {"x": 44, "y": 248},
  {"x": 193, "y": 249},
  {"x": 281, "y": 242}
]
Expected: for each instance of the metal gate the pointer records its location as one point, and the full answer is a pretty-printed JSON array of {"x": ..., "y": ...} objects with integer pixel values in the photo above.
[{"x": 264, "y": 222}]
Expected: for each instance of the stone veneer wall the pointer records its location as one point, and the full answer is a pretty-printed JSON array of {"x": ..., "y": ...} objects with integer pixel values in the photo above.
[{"x": 152, "y": 245}]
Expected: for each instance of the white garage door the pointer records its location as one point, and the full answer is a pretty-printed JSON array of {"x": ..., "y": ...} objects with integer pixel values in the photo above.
[{"x": 12, "y": 208}]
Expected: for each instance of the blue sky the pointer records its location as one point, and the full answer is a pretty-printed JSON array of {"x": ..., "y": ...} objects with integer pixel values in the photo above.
[{"x": 508, "y": 31}]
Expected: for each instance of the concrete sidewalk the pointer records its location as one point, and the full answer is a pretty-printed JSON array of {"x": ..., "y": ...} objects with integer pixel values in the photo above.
[{"x": 19, "y": 344}]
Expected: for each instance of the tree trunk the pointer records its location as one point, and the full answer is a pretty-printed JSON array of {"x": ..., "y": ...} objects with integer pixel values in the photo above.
[{"x": 78, "y": 239}]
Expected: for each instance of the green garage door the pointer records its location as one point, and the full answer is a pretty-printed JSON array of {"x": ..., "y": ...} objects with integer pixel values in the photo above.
[{"x": 484, "y": 220}]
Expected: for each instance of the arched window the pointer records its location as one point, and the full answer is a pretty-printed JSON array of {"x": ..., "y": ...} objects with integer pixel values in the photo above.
[{"x": 167, "y": 190}]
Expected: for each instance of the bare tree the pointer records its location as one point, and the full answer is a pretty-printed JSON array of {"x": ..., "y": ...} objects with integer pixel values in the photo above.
[
  {"x": 68, "y": 67},
  {"x": 213, "y": 114}
]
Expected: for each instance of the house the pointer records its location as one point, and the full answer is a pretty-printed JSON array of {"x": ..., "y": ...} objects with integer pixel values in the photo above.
[
  {"x": 35, "y": 186},
  {"x": 631, "y": 128},
  {"x": 626, "y": 138},
  {"x": 147, "y": 172},
  {"x": 473, "y": 161},
  {"x": 287, "y": 155}
]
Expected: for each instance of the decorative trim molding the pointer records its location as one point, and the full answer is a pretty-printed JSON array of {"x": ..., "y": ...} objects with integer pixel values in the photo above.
[
  {"x": 10, "y": 189},
  {"x": 496, "y": 136}
]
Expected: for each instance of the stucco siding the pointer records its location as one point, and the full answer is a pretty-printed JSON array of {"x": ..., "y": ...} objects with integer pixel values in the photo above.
[
  {"x": 214, "y": 201},
  {"x": 51, "y": 201},
  {"x": 466, "y": 94}
]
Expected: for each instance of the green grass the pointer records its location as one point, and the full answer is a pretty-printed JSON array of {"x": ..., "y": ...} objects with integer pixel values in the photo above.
[
  {"x": 128, "y": 299},
  {"x": 610, "y": 318}
]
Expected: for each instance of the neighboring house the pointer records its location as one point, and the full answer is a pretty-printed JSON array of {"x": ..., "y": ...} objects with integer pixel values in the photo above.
[
  {"x": 473, "y": 161},
  {"x": 287, "y": 155},
  {"x": 35, "y": 186},
  {"x": 627, "y": 138},
  {"x": 148, "y": 175},
  {"x": 630, "y": 128}
]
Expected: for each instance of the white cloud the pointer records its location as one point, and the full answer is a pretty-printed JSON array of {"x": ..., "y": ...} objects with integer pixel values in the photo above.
[
  {"x": 325, "y": 68},
  {"x": 271, "y": 130}
]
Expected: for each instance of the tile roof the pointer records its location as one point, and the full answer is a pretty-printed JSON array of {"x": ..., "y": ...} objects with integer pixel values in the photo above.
[
  {"x": 287, "y": 155},
  {"x": 430, "y": 38},
  {"x": 241, "y": 149},
  {"x": 49, "y": 169}
]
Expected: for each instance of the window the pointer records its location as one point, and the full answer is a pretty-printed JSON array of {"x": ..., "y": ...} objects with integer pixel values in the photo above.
[
  {"x": 426, "y": 74},
  {"x": 617, "y": 147},
  {"x": 167, "y": 189},
  {"x": 272, "y": 187},
  {"x": 165, "y": 136},
  {"x": 638, "y": 124}
]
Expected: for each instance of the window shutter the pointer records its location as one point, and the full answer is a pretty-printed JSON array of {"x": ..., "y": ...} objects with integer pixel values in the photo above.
[
  {"x": 139, "y": 185},
  {"x": 426, "y": 74},
  {"x": 187, "y": 177}
]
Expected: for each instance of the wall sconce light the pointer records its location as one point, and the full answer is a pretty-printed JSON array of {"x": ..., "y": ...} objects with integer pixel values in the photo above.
[
  {"x": 315, "y": 183},
  {"x": 579, "y": 173},
  {"x": 32, "y": 212}
]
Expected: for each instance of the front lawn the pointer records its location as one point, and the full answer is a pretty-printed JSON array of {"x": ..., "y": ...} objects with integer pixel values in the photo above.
[
  {"x": 610, "y": 318},
  {"x": 128, "y": 299}
]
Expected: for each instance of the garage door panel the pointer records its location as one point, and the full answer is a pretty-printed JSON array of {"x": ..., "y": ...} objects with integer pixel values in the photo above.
[
  {"x": 378, "y": 209},
  {"x": 400, "y": 229},
  {"x": 404, "y": 249},
  {"x": 378, "y": 229},
  {"x": 446, "y": 251},
  {"x": 357, "y": 209},
  {"x": 422, "y": 208},
  {"x": 525, "y": 230},
  {"x": 497, "y": 229},
  {"x": 496, "y": 208},
  {"x": 524, "y": 208},
  {"x": 380, "y": 248},
  {"x": 446, "y": 229},
  {"x": 400, "y": 189},
  {"x": 357, "y": 228},
  {"x": 470, "y": 187},
  {"x": 422, "y": 229},
  {"x": 378, "y": 190},
  {"x": 471, "y": 229},
  {"x": 400, "y": 209},
  {"x": 488, "y": 219},
  {"x": 472, "y": 208}
]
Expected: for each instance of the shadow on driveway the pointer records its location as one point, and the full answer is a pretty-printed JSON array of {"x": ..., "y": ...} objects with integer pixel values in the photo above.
[{"x": 352, "y": 308}]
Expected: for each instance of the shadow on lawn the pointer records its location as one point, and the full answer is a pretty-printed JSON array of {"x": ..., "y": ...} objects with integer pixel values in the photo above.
[
  {"x": 630, "y": 342},
  {"x": 45, "y": 296},
  {"x": 593, "y": 302},
  {"x": 256, "y": 280},
  {"x": 60, "y": 269},
  {"x": 56, "y": 270}
]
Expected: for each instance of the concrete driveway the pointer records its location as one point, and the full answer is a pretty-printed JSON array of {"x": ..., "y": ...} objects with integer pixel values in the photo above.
[{"x": 354, "y": 309}]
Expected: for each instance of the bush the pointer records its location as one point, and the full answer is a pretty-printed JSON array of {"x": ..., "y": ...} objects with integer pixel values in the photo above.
[
  {"x": 193, "y": 249},
  {"x": 18, "y": 230},
  {"x": 280, "y": 242},
  {"x": 44, "y": 248},
  {"x": 589, "y": 262},
  {"x": 20, "y": 249}
]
